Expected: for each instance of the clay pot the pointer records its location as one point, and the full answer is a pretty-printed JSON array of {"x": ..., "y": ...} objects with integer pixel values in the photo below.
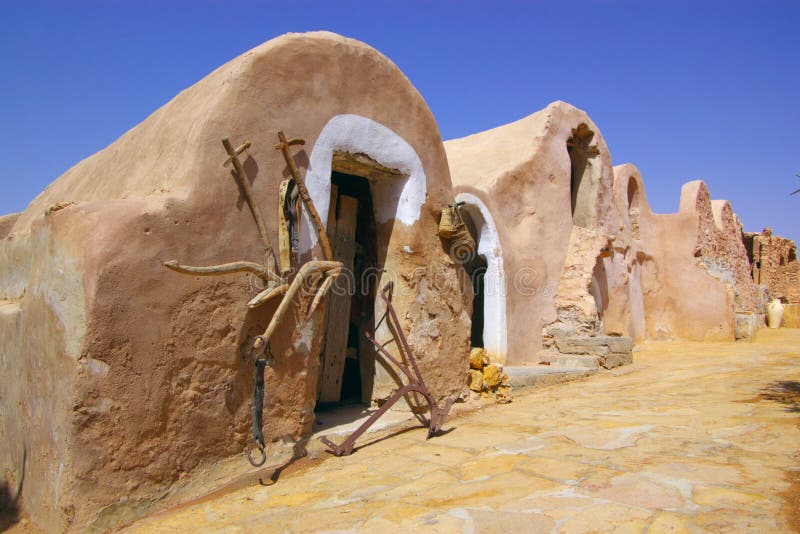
[{"x": 774, "y": 313}]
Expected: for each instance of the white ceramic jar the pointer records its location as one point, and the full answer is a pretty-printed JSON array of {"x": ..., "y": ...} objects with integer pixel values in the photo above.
[{"x": 774, "y": 313}]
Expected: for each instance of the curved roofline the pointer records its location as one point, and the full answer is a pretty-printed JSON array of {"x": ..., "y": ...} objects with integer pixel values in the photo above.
[{"x": 162, "y": 155}]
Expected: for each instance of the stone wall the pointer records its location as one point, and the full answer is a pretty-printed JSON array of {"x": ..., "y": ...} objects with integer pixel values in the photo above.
[
  {"x": 719, "y": 247},
  {"x": 774, "y": 264}
]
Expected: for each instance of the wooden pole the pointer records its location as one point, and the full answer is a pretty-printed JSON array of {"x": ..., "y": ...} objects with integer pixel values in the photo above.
[
  {"x": 283, "y": 146},
  {"x": 244, "y": 182}
]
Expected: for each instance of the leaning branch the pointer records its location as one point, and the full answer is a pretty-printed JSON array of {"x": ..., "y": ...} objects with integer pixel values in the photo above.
[{"x": 226, "y": 268}]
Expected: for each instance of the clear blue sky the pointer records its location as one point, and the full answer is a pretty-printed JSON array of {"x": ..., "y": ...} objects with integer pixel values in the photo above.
[{"x": 684, "y": 90}]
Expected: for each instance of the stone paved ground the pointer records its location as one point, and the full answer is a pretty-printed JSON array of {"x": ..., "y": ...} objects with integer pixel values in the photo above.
[{"x": 692, "y": 437}]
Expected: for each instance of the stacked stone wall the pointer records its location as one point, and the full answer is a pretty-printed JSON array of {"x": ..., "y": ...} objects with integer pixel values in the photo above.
[
  {"x": 774, "y": 265},
  {"x": 720, "y": 248}
]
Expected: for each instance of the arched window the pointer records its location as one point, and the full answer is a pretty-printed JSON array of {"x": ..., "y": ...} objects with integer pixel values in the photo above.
[
  {"x": 582, "y": 188},
  {"x": 633, "y": 207}
]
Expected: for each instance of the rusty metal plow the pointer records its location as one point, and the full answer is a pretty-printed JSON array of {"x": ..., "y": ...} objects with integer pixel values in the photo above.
[{"x": 415, "y": 384}]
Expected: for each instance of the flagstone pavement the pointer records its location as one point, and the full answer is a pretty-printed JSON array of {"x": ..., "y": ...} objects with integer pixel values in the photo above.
[{"x": 693, "y": 437}]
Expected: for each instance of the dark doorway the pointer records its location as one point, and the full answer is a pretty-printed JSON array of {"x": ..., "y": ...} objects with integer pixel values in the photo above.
[
  {"x": 348, "y": 360},
  {"x": 478, "y": 286},
  {"x": 475, "y": 266}
]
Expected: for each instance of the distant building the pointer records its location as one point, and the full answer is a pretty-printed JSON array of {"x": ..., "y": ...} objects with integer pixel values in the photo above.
[{"x": 774, "y": 264}]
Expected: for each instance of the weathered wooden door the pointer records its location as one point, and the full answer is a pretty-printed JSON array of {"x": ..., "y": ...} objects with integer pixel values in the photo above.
[{"x": 342, "y": 234}]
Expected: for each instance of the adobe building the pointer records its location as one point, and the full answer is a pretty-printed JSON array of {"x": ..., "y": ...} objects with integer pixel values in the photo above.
[
  {"x": 126, "y": 376},
  {"x": 578, "y": 264},
  {"x": 774, "y": 264},
  {"x": 775, "y": 271},
  {"x": 123, "y": 380}
]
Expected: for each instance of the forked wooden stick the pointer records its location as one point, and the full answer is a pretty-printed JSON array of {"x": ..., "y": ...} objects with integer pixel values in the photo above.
[
  {"x": 307, "y": 270},
  {"x": 267, "y": 295},
  {"x": 323, "y": 290}
]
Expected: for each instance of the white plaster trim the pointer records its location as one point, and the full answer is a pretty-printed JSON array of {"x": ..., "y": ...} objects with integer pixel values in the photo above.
[
  {"x": 495, "y": 330},
  {"x": 399, "y": 199}
]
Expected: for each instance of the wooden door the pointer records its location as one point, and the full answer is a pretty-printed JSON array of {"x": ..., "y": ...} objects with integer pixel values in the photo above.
[{"x": 338, "y": 320}]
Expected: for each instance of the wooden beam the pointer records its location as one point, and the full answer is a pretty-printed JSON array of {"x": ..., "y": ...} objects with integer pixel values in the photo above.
[
  {"x": 335, "y": 352},
  {"x": 359, "y": 164}
]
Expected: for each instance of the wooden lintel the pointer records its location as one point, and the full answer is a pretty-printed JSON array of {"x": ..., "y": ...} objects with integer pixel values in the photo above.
[{"x": 360, "y": 164}]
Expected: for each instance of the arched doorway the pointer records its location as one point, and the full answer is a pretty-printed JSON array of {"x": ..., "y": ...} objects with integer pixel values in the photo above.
[
  {"x": 488, "y": 277},
  {"x": 361, "y": 175}
]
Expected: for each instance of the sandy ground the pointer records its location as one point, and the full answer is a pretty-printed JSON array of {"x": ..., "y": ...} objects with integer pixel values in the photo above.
[{"x": 693, "y": 437}]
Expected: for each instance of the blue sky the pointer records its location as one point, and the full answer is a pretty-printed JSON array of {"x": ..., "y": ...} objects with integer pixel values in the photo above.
[{"x": 684, "y": 90}]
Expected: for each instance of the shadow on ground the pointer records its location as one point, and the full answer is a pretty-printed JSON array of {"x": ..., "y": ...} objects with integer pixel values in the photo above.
[
  {"x": 786, "y": 392},
  {"x": 397, "y": 433}
]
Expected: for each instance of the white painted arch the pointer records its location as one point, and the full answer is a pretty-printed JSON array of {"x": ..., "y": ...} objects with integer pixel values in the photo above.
[
  {"x": 495, "y": 331},
  {"x": 399, "y": 199}
]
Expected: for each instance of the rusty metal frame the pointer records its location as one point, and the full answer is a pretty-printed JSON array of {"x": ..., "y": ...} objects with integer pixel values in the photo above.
[{"x": 415, "y": 384}]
